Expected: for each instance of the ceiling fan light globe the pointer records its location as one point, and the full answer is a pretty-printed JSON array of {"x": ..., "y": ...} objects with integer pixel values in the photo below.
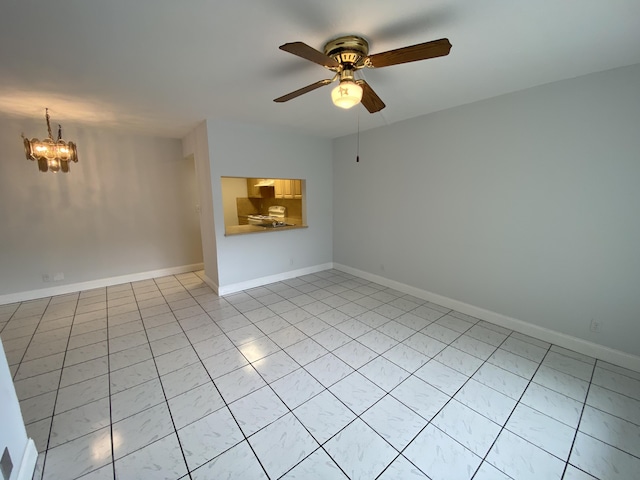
[{"x": 347, "y": 94}]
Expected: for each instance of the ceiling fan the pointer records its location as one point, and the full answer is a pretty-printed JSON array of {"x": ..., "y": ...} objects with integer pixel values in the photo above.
[{"x": 346, "y": 55}]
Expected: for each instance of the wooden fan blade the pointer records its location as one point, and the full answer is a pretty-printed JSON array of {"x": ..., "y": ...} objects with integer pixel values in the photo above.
[
  {"x": 309, "y": 53},
  {"x": 303, "y": 90},
  {"x": 422, "y": 51},
  {"x": 370, "y": 99}
]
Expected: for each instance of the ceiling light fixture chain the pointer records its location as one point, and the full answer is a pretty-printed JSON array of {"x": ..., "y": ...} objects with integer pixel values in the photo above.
[{"x": 51, "y": 155}]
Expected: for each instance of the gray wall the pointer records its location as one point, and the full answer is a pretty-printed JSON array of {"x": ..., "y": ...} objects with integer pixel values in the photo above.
[
  {"x": 237, "y": 150},
  {"x": 526, "y": 205},
  {"x": 126, "y": 207}
]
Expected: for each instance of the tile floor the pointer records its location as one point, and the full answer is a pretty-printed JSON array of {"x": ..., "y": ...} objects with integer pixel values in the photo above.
[{"x": 325, "y": 376}]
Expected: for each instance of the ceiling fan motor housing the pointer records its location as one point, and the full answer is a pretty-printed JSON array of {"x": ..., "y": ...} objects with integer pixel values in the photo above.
[{"x": 349, "y": 51}]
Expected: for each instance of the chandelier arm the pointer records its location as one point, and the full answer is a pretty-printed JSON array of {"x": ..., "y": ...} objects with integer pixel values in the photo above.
[{"x": 48, "y": 124}]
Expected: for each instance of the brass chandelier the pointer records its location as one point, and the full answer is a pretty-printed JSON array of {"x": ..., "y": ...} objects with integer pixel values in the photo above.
[{"x": 52, "y": 155}]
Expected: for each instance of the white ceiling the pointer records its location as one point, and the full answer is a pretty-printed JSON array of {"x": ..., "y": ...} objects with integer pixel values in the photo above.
[{"x": 162, "y": 66}]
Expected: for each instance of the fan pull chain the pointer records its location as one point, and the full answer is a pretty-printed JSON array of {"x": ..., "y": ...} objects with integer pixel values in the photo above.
[{"x": 358, "y": 140}]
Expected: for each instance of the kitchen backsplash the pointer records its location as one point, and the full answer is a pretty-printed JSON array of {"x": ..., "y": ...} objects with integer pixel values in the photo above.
[{"x": 248, "y": 206}]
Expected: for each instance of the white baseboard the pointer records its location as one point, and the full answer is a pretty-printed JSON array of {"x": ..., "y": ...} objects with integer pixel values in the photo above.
[
  {"x": 551, "y": 336},
  {"x": 28, "y": 462},
  {"x": 214, "y": 286},
  {"x": 103, "y": 282},
  {"x": 257, "y": 282}
]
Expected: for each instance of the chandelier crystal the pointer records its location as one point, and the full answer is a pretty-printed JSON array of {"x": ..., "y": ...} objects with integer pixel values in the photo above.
[{"x": 51, "y": 155}]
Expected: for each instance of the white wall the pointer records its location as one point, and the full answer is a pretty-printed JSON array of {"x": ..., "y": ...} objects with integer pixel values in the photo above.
[
  {"x": 196, "y": 143},
  {"x": 238, "y": 150},
  {"x": 13, "y": 435},
  {"x": 124, "y": 208},
  {"x": 526, "y": 205}
]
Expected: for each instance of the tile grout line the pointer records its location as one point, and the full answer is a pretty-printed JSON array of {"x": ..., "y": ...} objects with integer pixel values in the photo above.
[
  {"x": 584, "y": 406},
  {"x": 226, "y": 405},
  {"x": 113, "y": 452},
  {"x": 55, "y": 402},
  {"x": 503, "y": 427},
  {"x": 164, "y": 393}
]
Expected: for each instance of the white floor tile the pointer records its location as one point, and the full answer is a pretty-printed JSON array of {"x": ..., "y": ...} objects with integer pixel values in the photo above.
[
  {"x": 257, "y": 410},
  {"x": 487, "y": 335},
  {"x": 602, "y": 460},
  {"x": 355, "y": 354},
  {"x": 486, "y": 401},
  {"x": 275, "y": 366},
  {"x": 296, "y": 388},
  {"x": 316, "y": 465},
  {"x": 541, "y": 430},
  {"x": 562, "y": 383},
  {"x": 420, "y": 397},
  {"x": 384, "y": 373},
  {"x": 239, "y": 383},
  {"x": 208, "y": 437},
  {"x": 501, "y": 380},
  {"x": 458, "y": 360},
  {"x": 441, "y": 457},
  {"x": 133, "y": 375},
  {"x": 183, "y": 380},
  {"x": 402, "y": 469},
  {"x": 614, "y": 403},
  {"x": 141, "y": 429},
  {"x": 617, "y": 382},
  {"x": 360, "y": 451},
  {"x": 79, "y": 456},
  {"x": 424, "y": 344},
  {"x": 513, "y": 363},
  {"x": 195, "y": 404},
  {"x": 473, "y": 347},
  {"x": 523, "y": 460},
  {"x": 394, "y": 421},
  {"x": 357, "y": 392},
  {"x": 472, "y": 430},
  {"x": 442, "y": 377},
  {"x": 224, "y": 362},
  {"x": 259, "y": 349},
  {"x": 237, "y": 462},
  {"x": 569, "y": 365},
  {"x": 135, "y": 399},
  {"x": 282, "y": 445},
  {"x": 159, "y": 460},
  {"x": 328, "y": 369},
  {"x": 611, "y": 430},
  {"x": 324, "y": 415},
  {"x": 84, "y": 371},
  {"x": 406, "y": 357},
  {"x": 572, "y": 473},
  {"x": 489, "y": 472},
  {"x": 306, "y": 351},
  {"x": 554, "y": 404},
  {"x": 532, "y": 352},
  {"x": 79, "y": 421}
]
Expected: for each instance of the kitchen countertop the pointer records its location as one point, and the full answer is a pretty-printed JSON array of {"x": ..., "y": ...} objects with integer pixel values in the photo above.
[{"x": 245, "y": 229}]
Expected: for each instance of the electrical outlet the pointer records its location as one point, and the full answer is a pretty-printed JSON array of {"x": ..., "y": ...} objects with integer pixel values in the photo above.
[
  {"x": 46, "y": 277},
  {"x": 596, "y": 326},
  {"x": 58, "y": 276},
  {"x": 291, "y": 261},
  {"x": 382, "y": 267}
]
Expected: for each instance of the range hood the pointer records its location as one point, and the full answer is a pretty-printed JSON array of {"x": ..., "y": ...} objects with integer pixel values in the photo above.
[{"x": 266, "y": 182}]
